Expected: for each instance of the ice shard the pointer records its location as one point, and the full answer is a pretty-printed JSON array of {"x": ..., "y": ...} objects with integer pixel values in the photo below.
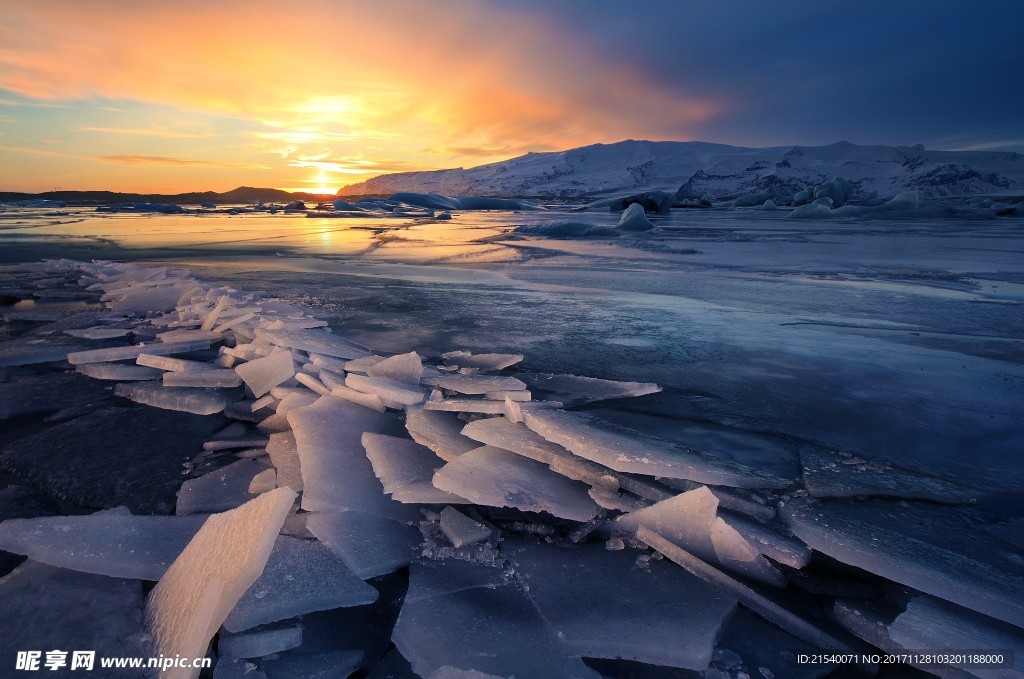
[
  {"x": 462, "y": 530},
  {"x": 284, "y": 454},
  {"x": 404, "y": 368},
  {"x": 301, "y": 576},
  {"x": 258, "y": 643},
  {"x": 314, "y": 341},
  {"x": 182, "y": 399},
  {"x": 369, "y": 544},
  {"x": 386, "y": 388},
  {"x": 479, "y": 384},
  {"x": 203, "y": 378},
  {"x": 484, "y": 362},
  {"x": 498, "y": 478},
  {"x": 219, "y": 490},
  {"x": 262, "y": 374},
  {"x": 119, "y": 372},
  {"x": 222, "y": 561},
  {"x": 573, "y": 390},
  {"x": 132, "y": 352},
  {"x": 439, "y": 431}
]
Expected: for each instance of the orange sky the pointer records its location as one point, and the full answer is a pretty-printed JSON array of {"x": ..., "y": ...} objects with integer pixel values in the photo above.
[{"x": 181, "y": 96}]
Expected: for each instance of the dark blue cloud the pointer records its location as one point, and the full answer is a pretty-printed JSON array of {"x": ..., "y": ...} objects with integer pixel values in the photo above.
[{"x": 946, "y": 74}]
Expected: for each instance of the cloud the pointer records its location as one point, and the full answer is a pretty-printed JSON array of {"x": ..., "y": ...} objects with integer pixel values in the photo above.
[
  {"x": 153, "y": 131},
  {"x": 138, "y": 160}
]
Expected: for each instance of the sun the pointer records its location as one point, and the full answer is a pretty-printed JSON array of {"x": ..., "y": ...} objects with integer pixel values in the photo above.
[{"x": 322, "y": 184}]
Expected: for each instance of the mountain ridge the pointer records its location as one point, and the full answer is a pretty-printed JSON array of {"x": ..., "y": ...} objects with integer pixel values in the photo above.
[{"x": 720, "y": 171}]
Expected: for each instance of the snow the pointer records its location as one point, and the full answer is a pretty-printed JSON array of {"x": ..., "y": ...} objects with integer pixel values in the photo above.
[{"x": 205, "y": 583}]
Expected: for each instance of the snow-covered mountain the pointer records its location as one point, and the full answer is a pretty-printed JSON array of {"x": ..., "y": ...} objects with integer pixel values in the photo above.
[{"x": 721, "y": 172}]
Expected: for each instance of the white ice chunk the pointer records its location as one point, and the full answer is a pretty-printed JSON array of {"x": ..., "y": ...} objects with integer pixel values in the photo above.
[
  {"x": 147, "y": 299},
  {"x": 132, "y": 352},
  {"x": 460, "y": 529},
  {"x": 691, "y": 521},
  {"x": 405, "y": 469},
  {"x": 369, "y": 544},
  {"x": 259, "y": 643},
  {"x": 634, "y": 219},
  {"x": 119, "y": 372},
  {"x": 198, "y": 401},
  {"x": 262, "y": 374},
  {"x": 221, "y": 489},
  {"x": 174, "y": 364},
  {"x": 484, "y": 362},
  {"x": 202, "y": 378},
  {"x": 314, "y": 341},
  {"x": 573, "y": 390},
  {"x": 404, "y": 368},
  {"x": 626, "y": 450},
  {"x": 479, "y": 384},
  {"x": 285, "y": 456},
  {"x": 116, "y": 544},
  {"x": 603, "y": 606},
  {"x": 336, "y": 473},
  {"x": 498, "y": 478},
  {"x": 439, "y": 431},
  {"x": 486, "y": 406},
  {"x": 371, "y": 401},
  {"x": 386, "y": 388},
  {"x": 301, "y": 576},
  {"x": 225, "y": 558},
  {"x": 211, "y": 318}
]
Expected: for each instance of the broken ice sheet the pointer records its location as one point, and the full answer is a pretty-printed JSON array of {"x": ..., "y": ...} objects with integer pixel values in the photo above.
[
  {"x": 132, "y": 352},
  {"x": 484, "y": 362},
  {"x": 403, "y": 368},
  {"x": 938, "y": 550},
  {"x": 111, "y": 542},
  {"x": 301, "y": 576},
  {"x": 50, "y": 608},
  {"x": 936, "y": 626},
  {"x": 314, "y": 341},
  {"x": 627, "y": 450},
  {"x": 603, "y": 606},
  {"x": 97, "y": 333},
  {"x": 405, "y": 469},
  {"x": 262, "y": 374},
  {"x": 829, "y": 473},
  {"x": 284, "y": 454},
  {"x": 691, "y": 521},
  {"x": 336, "y": 665},
  {"x": 465, "y": 616},
  {"x": 386, "y": 388},
  {"x": 479, "y": 384},
  {"x": 499, "y": 478},
  {"x": 369, "y": 544},
  {"x": 336, "y": 474},
  {"x": 205, "y": 378},
  {"x": 201, "y": 587},
  {"x": 119, "y": 372},
  {"x": 574, "y": 390},
  {"x": 460, "y": 529},
  {"x": 182, "y": 399},
  {"x": 439, "y": 431},
  {"x": 220, "y": 489}
]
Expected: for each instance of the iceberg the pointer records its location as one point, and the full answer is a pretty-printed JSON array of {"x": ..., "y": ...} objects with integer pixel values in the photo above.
[{"x": 634, "y": 219}]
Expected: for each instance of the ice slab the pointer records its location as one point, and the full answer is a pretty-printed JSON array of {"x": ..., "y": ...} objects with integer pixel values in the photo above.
[
  {"x": 284, "y": 454},
  {"x": 385, "y": 388},
  {"x": 205, "y": 378},
  {"x": 936, "y": 550},
  {"x": 301, "y": 576},
  {"x": 406, "y": 469},
  {"x": 259, "y": 643},
  {"x": 148, "y": 299},
  {"x": 371, "y": 401},
  {"x": 439, "y": 431},
  {"x": 573, "y": 390},
  {"x": 336, "y": 474},
  {"x": 112, "y": 543},
  {"x": 483, "y": 362},
  {"x": 627, "y": 450},
  {"x": 219, "y": 490},
  {"x": 691, "y": 521},
  {"x": 936, "y": 627},
  {"x": 479, "y": 384},
  {"x": 97, "y": 333},
  {"x": 359, "y": 365},
  {"x": 829, "y": 473},
  {"x": 602, "y": 606},
  {"x": 47, "y": 608},
  {"x": 463, "y": 616},
  {"x": 757, "y": 603},
  {"x": 225, "y": 558},
  {"x": 403, "y": 368},
  {"x": 369, "y": 544},
  {"x": 486, "y": 406},
  {"x": 262, "y": 374},
  {"x": 499, "y": 478},
  {"x": 182, "y": 399},
  {"x": 171, "y": 363},
  {"x": 119, "y": 372},
  {"x": 132, "y": 352},
  {"x": 313, "y": 341},
  {"x": 460, "y": 529}
]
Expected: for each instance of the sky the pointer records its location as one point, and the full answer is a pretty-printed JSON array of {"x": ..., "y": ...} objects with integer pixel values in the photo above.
[{"x": 203, "y": 95}]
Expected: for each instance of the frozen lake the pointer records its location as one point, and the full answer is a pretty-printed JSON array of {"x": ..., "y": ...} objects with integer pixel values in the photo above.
[{"x": 897, "y": 343}]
